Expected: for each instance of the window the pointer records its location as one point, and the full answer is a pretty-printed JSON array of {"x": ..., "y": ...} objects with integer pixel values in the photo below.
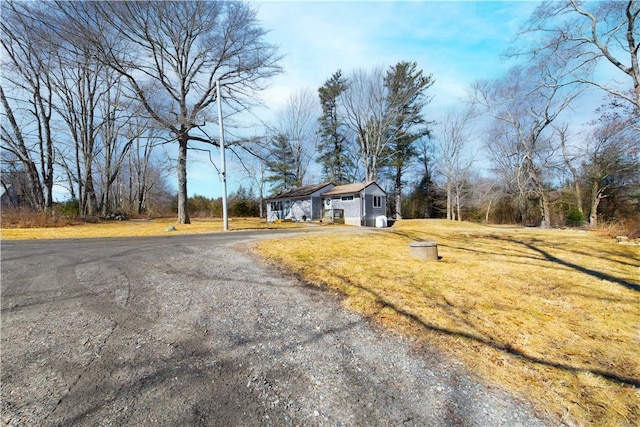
[
  {"x": 347, "y": 197},
  {"x": 377, "y": 201}
]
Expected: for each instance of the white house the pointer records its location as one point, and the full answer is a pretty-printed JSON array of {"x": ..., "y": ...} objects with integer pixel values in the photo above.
[
  {"x": 298, "y": 204},
  {"x": 358, "y": 204}
]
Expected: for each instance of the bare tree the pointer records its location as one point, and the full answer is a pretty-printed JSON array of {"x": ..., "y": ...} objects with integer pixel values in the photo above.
[
  {"x": 297, "y": 121},
  {"x": 485, "y": 192},
  {"x": 173, "y": 53},
  {"x": 453, "y": 159},
  {"x": 524, "y": 108},
  {"x": 21, "y": 158},
  {"x": 145, "y": 171},
  {"x": 116, "y": 136},
  {"x": 366, "y": 112},
  {"x": 27, "y": 63},
  {"x": 584, "y": 34},
  {"x": 570, "y": 158},
  {"x": 612, "y": 161},
  {"x": 255, "y": 170},
  {"x": 121, "y": 130},
  {"x": 143, "y": 179},
  {"x": 82, "y": 83}
]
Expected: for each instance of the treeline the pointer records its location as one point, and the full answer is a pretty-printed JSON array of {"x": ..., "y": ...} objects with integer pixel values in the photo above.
[
  {"x": 106, "y": 99},
  {"x": 241, "y": 203}
]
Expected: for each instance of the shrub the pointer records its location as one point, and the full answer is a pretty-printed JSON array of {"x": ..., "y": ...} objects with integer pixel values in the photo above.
[
  {"x": 68, "y": 209},
  {"x": 575, "y": 218}
]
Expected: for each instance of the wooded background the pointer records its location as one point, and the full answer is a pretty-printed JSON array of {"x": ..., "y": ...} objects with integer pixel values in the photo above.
[{"x": 106, "y": 100}]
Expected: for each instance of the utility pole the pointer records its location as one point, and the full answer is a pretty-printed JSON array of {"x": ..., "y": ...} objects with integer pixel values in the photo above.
[{"x": 223, "y": 165}]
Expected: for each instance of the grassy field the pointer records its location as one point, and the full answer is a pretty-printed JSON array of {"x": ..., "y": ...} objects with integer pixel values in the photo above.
[
  {"x": 136, "y": 228},
  {"x": 553, "y": 316}
]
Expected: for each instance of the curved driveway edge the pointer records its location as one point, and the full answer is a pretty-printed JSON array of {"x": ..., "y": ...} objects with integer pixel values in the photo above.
[{"x": 187, "y": 330}]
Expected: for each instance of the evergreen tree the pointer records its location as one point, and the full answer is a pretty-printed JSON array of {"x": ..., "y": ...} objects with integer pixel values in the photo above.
[
  {"x": 281, "y": 164},
  {"x": 243, "y": 203},
  {"x": 406, "y": 86},
  {"x": 337, "y": 166}
]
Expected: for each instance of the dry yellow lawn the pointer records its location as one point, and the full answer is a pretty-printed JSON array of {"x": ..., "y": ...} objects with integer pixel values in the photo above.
[
  {"x": 137, "y": 228},
  {"x": 553, "y": 316}
]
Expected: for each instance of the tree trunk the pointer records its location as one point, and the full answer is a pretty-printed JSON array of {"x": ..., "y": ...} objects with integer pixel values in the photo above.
[
  {"x": 595, "y": 201},
  {"x": 35, "y": 187},
  {"x": 449, "y": 204},
  {"x": 486, "y": 218},
  {"x": 91, "y": 202},
  {"x": 544, "y": 210},
  {"x": 48, "y": 159},
  {"x": 105, "y": 203},
  {"x": 398, "y": 194},
  {"x": 578, "y": 191},
  {"x": 574, "y": 173},
  {"x": 183, "y": 211},
  {"x": 140, "y": 204},
  {"x": 48, "y": 182}
]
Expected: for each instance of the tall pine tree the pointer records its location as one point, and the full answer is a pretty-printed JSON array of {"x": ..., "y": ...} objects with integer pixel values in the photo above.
[
  {"x": 337, "y": 166},
  {"x": 281, "y": 164},
  {"x": 406, "y": 86}
]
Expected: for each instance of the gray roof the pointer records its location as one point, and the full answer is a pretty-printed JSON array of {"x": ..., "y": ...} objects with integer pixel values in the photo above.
[{"x": 299, "y": 192}]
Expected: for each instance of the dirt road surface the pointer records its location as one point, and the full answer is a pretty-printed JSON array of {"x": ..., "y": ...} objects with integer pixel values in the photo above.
[{"x": 190, "y": 330}]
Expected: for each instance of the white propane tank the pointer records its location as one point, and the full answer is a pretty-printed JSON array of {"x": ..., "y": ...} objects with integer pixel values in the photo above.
[{"x": 381, "y": 221}]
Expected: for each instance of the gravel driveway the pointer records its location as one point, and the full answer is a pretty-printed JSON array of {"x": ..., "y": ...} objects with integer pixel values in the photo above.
[{"x": 191, "y": 330}]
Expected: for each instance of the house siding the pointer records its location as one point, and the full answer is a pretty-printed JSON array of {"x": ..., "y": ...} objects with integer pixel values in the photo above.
[
  {"x": 308, "y": 207},
  {"x": 371, "y": 212},
  {"x": 360, "y": 210},
  {"x": 356, "y": 203},
  {"x": 316, "y": 207},
  {"x": 351, "y": 207},
  {"x": 301, "y": 210}
]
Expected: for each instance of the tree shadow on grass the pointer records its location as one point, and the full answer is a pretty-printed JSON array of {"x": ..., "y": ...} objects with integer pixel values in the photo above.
[
  {"x": 546, "y": 255},
  {"x": 594, "y": 273},
  {"x": 506, "y": 348}
]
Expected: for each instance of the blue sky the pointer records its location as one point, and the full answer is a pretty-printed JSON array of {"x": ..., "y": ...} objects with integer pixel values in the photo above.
[{"x": 457, "y": 42}]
